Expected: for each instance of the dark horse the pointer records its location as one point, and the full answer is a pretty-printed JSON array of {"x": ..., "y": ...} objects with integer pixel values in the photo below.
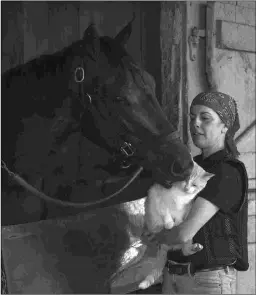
[{"x": 94, "y": 88}]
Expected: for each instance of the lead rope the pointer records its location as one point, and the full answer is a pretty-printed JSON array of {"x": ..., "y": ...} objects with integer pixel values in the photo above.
[{"x": 41, "y": 195}]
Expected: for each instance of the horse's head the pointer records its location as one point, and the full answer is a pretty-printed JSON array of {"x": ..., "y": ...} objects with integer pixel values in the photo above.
[{"x": 119, "y": 109}]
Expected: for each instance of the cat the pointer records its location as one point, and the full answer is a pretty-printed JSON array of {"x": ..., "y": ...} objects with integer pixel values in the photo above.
[{"x": 166, "y": 208}]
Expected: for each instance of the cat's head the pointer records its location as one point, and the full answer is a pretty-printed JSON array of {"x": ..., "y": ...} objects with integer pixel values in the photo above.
[{"x": 197, "y": 180}]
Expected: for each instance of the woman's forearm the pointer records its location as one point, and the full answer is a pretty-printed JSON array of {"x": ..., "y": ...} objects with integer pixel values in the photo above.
[{"x": 201, "y": 211}]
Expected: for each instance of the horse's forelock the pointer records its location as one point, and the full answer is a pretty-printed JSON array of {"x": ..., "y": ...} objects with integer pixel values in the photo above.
[{"x": 142, "y": 78}]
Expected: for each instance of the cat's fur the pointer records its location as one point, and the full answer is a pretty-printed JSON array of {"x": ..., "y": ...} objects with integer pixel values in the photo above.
[{"x": 166, "y": 208}]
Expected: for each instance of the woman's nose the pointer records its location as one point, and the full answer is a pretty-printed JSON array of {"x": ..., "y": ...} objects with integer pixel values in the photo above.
[{"x": 195, "y": 123}]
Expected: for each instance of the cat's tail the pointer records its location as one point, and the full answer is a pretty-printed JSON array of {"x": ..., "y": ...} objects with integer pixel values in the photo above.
[{"x": 151, "y": 279}]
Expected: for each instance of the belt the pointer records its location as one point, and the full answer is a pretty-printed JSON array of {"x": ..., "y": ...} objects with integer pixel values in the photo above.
[{"x": 187, "y": 268}]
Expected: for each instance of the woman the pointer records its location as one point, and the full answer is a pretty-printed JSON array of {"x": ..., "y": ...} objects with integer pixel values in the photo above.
[{"x": 218, "y": 219}]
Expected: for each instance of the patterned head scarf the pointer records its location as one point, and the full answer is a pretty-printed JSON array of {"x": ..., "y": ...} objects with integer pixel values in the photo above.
[{"x": 225, "y": 106}]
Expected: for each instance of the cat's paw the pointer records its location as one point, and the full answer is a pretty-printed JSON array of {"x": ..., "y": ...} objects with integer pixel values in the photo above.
[
  {"x": 151, "y": 279},
  {"x": 144, "y": 285},
  {"x": 190, "y": 249},
  {"x": 169, "y": 224}
]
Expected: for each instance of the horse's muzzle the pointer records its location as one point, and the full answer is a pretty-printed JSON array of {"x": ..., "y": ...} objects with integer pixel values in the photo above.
[
  {"x": 178, "y": 171},
  {"x": 167, "y": 169}
]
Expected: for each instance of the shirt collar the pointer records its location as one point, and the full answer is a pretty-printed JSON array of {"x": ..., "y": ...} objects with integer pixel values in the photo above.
[{"x": 211, "y": 160}]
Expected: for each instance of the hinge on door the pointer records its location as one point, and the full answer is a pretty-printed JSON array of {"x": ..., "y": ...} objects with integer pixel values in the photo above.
[{"x": 193, "y": 41}]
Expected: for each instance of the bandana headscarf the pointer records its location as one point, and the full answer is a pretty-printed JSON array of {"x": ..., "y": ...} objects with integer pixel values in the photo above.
[{"x": 225, "y": 106}]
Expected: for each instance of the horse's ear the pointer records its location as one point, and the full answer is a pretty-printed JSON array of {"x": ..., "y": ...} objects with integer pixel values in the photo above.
[
  {"x": 92, "y": 39},
  {"x": 123, "y": 36}
]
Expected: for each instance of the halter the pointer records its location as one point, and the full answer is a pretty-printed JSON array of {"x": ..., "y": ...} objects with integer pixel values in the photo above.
[{"x": 126, "y": 149}]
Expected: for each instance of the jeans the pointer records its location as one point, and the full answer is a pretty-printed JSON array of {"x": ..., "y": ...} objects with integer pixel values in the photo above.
[{"x": 221, "y": 281}]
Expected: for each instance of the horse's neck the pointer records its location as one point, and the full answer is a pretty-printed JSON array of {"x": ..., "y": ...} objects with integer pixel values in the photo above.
[{"x": 46, "y": 69}]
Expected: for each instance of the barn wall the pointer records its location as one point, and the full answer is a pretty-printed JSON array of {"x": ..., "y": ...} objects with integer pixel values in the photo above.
[
  {"x": 12, "y": 19},
  {"x": 226, "y": 63},
  {"x": 173, "y": 65}
]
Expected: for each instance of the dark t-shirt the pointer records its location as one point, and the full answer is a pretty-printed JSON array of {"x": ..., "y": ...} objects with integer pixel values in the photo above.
[{"x": 224, "y": 189}]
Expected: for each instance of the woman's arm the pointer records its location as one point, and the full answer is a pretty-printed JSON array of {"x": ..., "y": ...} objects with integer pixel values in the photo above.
[
  {"x": 201, "y": 211},
  {"x": 223, "y": 191}
]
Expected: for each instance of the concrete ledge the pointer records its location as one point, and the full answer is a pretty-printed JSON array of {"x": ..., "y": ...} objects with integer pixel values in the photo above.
[{"x": 235, "y": 36}]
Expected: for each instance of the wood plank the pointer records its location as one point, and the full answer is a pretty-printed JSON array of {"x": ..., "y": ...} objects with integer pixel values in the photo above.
[
  {"x": 63, "y": 27},
  {"x": 245, "y": 15},
  {"x": 252, "y": 185},
  {"x": 246, "y": 141},
  {"x": 249, "y": 161},
  {"x": 251, "y": 206},
  {"x": 171, "y": 36},
  {"x": 150, "y": 46},
  {"x": 12, "y": 34},
  {"x": 249, "y": 4},
  {"x": 251, "y": 229},
  {"x": 110, "y": 18},
  {"x": 35, "y": 29},
  {"x": 234, "y": 36},
  {"x": 210, "y": 44}
]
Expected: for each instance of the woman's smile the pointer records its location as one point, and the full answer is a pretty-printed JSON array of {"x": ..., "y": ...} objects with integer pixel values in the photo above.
[{"x": 196, "y": 134}]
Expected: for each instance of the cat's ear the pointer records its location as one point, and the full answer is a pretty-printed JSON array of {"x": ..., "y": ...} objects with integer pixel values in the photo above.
[
  {"x": 197, "y": 170},
  {"x": 207, "y": 176}
]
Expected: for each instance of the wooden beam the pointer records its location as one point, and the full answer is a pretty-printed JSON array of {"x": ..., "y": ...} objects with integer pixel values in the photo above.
[{"x": 233, "y": 36}]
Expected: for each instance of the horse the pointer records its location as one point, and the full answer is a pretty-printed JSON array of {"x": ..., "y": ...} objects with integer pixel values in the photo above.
[{"x": 93, "y": 88}]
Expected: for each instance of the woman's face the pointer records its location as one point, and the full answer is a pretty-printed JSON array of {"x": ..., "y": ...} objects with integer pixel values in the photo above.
[{"x": 206, "y": 128}]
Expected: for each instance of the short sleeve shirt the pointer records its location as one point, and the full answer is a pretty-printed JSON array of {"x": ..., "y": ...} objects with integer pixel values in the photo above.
[{"x": 224, "y": 189}]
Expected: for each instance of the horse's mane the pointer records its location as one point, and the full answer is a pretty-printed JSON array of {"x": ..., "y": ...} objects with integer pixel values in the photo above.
[{"x": 44, "y": 65}]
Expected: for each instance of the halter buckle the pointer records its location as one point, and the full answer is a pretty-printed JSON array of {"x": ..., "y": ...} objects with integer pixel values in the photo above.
[
  {"x": 79, "y": 69},
  {"x": 127, "y": 149}
]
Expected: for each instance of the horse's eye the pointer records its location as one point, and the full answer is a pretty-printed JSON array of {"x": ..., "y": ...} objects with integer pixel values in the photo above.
[
  {"x": 122, "y": 100},
  {"x": 119, "y": 98}
]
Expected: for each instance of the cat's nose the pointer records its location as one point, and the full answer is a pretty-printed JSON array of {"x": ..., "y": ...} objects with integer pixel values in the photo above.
[{"x": 186, "y": 188}]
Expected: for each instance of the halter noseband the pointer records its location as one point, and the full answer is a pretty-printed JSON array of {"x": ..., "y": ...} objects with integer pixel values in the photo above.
[
  {"x": 80, "y": 80},
  {"x": 126, "y": 149}
]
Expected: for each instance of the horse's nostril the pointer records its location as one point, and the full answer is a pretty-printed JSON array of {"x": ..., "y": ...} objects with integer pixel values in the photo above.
[{"x": 176, "y": 169}]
